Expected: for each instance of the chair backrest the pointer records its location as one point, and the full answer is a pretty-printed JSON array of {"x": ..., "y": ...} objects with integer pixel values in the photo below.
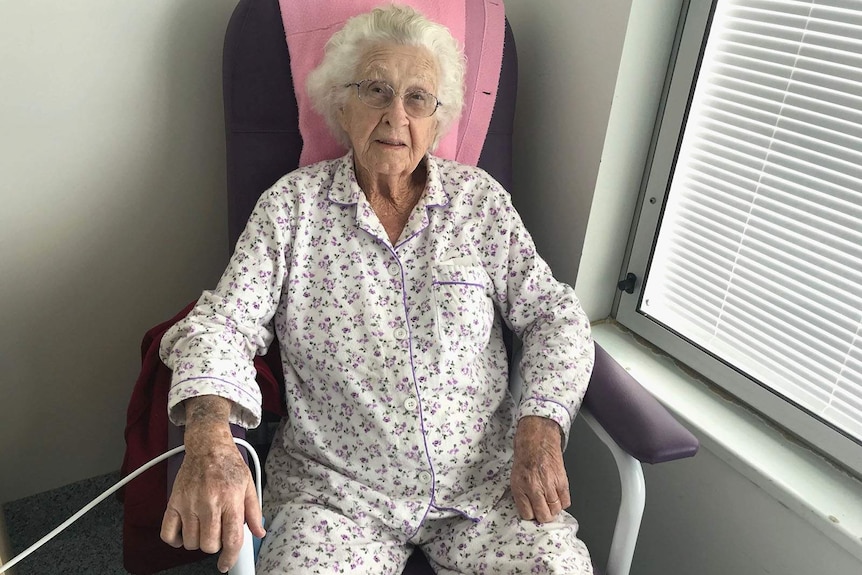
[{"x": 261, "y": 116}]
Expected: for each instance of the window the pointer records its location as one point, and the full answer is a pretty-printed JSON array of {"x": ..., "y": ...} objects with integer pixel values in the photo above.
[{"x": 748, "y": 244}]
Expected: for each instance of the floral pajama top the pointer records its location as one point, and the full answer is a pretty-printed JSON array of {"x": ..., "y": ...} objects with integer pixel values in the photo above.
[{"x": 395, "y": 368}]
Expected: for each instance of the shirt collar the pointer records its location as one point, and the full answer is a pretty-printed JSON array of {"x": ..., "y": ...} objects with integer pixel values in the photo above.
[{"x": 345, "y": 189}]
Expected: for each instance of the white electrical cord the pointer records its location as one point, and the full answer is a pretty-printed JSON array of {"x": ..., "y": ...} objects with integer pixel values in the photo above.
[{"x": 18, "y": 558}]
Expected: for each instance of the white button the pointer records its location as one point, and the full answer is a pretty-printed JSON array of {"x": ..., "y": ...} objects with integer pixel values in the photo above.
[
  {"x": 394, "y": 270},
  {"x": 400, "y": 333},
  {"x": 410, "y": 404},
  {"x": 425, "y": 477}
]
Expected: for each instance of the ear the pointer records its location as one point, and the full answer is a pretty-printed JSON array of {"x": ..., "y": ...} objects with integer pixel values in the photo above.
[
  {"x": 342, "y": 118},
  {"x": 436, "y": 136}
]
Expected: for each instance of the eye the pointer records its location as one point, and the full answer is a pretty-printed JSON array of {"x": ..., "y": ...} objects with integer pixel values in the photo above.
[
  {"x": 419, "y": 97},
  {"x": 378, "y": 88}
]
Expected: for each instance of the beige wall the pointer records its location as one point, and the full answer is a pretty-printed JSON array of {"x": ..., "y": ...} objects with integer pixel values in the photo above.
[
  {"x": 112, "y": 218},
  {"x": 568, "y": 53}
]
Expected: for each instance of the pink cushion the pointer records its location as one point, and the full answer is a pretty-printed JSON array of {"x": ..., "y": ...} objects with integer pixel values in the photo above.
[{"x": 308, "y": 24}]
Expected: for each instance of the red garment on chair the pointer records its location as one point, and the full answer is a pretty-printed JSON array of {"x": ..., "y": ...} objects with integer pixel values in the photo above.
[{"x": 146, "y": 497}]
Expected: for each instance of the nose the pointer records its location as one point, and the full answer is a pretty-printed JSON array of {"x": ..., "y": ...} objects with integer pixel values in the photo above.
[{"x": 395, "y": 114}]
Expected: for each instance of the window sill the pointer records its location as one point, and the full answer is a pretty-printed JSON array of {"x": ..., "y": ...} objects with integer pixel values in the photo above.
[{"x": 819, "y": 492}]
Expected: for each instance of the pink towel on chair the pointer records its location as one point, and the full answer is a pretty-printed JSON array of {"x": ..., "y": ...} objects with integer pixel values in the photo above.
[{"x": 308, "y": 24}]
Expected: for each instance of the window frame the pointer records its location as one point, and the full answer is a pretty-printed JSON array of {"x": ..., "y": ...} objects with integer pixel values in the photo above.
[{"x": 689, "y": 45}]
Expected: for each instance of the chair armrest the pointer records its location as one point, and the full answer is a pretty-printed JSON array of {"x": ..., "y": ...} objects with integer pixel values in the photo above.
[{"x": 635, "y": 420}]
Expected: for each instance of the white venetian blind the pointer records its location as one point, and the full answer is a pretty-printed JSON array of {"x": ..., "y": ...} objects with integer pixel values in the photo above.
[{"x": 759, "y": 255}]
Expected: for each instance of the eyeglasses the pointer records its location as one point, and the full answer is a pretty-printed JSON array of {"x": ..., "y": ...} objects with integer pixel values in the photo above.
[{"x": 379, "y": 94}]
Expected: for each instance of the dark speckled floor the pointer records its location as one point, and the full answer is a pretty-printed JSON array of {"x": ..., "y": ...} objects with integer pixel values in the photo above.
[{"x": 92, "y": 545}]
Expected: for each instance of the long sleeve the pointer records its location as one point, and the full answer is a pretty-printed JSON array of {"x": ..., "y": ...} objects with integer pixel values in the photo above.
[
  {"x": 211, "y": 351},
  {"x": 558, "y": 351}
]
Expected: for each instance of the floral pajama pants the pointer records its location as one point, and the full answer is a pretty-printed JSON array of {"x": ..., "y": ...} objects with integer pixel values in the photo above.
[{"x": 309, "y": 538}]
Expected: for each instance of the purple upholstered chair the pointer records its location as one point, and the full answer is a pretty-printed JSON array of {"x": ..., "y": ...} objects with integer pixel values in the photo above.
[{"x": 264, "y": 143}]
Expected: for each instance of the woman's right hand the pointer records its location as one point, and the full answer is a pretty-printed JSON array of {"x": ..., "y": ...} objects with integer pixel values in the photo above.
[{"x": 214, "y": 493}]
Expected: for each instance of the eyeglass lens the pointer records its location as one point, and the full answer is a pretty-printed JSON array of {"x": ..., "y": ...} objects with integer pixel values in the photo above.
[{"x": 379, "y": 94}]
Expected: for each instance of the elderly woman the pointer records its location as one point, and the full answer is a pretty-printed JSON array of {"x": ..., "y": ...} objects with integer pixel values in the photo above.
[{"x": 387, "y": 276}]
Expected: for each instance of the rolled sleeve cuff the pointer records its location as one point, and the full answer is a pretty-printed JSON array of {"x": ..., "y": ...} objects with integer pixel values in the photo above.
[
  {"x": 549, "y": 409},
  {"x": 246, "y": 403}
]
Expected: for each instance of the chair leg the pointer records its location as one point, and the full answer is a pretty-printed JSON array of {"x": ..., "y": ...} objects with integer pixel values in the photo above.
[{"x": 632, "y": 502}]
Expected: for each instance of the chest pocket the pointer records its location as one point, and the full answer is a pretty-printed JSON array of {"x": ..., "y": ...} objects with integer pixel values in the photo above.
[{"x": 465, "y": 311}]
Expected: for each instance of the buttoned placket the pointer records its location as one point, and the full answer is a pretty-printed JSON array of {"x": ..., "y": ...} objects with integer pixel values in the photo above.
[
  {"x": 416, "y": 224},
  {"x": 412, "y": 404},
  {"x": 418, "y": 221}
]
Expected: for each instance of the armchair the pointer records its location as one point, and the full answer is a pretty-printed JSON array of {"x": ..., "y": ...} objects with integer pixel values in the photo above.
[{"x": 264, "y": 142}]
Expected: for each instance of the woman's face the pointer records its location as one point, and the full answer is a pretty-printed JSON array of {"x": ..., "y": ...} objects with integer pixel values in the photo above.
[{"x": 388, "y": 142}]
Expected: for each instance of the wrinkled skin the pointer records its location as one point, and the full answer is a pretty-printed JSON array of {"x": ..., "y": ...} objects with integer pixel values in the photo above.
[
  {"x": 214, "y": 493},
  {"x": 539, "y": 482}
]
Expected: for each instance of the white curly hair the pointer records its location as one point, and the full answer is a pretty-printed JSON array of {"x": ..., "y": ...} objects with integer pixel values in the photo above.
[{"x": 390, "y": 24}]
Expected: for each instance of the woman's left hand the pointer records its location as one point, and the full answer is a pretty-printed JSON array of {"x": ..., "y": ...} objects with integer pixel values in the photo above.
[{"x": 539, "y": 482}]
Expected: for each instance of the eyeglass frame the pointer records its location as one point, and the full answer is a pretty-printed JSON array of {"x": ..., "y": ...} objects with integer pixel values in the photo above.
[{"x": 394, "y": 95}]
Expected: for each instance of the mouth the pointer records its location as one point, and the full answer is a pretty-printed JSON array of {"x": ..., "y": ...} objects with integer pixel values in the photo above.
[{"x": 391, "y": 142}]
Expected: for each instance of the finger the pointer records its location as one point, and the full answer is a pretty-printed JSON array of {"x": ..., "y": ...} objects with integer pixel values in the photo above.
[
  {"x": 191, "y": 533},
  {"x": 554, "y": 508},
  {"x": 554, "y": 493},
  {"x": 170, "y": 532},
  {"x": 522, "y": 504},
  {"x": 210, "y": 534},
  {"x": 555, "y": 503},
  {"x": 563, "y": 493},
  {"x": 540, "y": 507},
  {"x": 253, "y": 515},
  {"x": 231, "y": 540},
  {"x": 539, "y": 495}
]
